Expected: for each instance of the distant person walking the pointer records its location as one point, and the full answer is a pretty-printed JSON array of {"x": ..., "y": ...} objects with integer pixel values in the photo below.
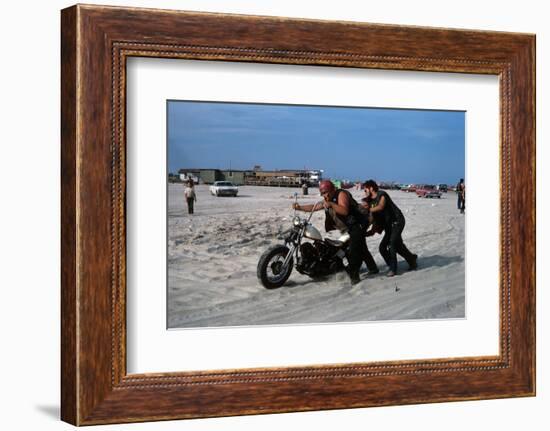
[
  {"x": 461, "y": 192},
  {"x": 385, "y": 213},
  {"x": 190, "y": 196}
]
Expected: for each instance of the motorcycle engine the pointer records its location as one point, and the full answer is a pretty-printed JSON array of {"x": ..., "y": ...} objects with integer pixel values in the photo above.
[
  {"x": 308, "y": 258},
  {"x": 308, "y": 254},
  {"x": 317, "y": 259},
  {"x": 323, "y": 251}
]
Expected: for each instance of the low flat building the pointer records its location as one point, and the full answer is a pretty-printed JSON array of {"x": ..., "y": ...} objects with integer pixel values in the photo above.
[
  {"x": 209, "y": 176},
  {"x": 236, "y": 177},
  {"x": 284, "y": 177},
  {"x": 279, "y": 178}
]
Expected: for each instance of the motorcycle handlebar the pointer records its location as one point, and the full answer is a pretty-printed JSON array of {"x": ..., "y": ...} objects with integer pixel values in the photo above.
[{"x": 313, "y": 210}]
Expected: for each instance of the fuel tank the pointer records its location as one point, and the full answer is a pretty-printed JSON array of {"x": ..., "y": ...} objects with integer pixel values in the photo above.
[{"x": 312, "y": 233}]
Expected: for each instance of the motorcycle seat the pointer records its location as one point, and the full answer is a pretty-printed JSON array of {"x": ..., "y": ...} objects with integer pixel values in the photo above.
[{"x": 334, "y": 242}]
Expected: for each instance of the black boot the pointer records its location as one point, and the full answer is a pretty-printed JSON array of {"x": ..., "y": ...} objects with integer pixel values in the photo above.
[
  {"x": 354, "y": 277},
  {"x": 412, "y": 264}
]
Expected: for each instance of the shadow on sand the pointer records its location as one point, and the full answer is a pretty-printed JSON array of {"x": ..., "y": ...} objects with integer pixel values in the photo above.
[
  {"x": 292, "y": 284},
  {"x": 424, "y": 262},
  {"x": 436, "y": 261}
]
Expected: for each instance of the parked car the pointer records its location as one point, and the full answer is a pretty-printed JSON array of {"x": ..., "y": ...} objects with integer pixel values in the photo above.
[
  {"x": 224, "y": 188},
  {"x": 442, "y": 188},
  {"x": 389, "y": 185},
  {"x": 410, "y": 188},
  {"x": 428, "y": 191}
]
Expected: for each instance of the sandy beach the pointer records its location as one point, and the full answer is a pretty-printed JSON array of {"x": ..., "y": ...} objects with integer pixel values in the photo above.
[{"x": 213, "y": 254}]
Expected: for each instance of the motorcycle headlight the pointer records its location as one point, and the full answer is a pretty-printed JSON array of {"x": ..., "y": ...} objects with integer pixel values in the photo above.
[{"x": 296, "y": 221}]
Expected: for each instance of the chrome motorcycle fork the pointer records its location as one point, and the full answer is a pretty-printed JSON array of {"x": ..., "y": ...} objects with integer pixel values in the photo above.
[
  {"x": 292, "y": 249},
  {"x": 289, "y": 255}
]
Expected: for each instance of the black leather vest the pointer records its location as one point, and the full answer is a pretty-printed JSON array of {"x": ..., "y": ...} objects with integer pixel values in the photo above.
[{"x": 354, "y": 216}]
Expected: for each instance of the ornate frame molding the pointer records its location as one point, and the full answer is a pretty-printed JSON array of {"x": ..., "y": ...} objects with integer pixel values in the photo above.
[{"x": 96, "y": 41}]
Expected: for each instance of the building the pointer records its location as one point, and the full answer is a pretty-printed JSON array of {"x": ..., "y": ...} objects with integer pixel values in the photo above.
[
  {"x": 256, "y": 177},
  {"x": 183, "y": 177},
  {"x": 284, "y": 177},
  {"x": 209, "y": 176},
  {"x": 235, "y": 176}
]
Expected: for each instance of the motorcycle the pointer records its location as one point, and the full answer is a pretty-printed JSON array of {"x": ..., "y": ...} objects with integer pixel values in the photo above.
[{"x": 316, "y": 259}]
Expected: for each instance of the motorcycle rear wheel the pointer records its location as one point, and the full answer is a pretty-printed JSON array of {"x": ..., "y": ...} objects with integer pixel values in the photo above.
[{"x": 270, "y": 271}]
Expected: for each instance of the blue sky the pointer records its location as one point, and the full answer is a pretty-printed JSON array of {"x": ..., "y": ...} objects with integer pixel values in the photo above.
[{"x": 408, "y": 146}]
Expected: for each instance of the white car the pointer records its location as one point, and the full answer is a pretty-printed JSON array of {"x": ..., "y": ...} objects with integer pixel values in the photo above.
[{"x": 224, "y": 188}]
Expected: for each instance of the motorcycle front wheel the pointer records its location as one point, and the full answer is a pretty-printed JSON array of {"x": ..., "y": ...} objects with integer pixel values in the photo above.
[{"x": 270, "y": 270}]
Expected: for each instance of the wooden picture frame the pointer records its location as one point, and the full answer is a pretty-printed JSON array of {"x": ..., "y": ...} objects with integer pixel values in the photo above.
[{"x": 95, "y": 42}]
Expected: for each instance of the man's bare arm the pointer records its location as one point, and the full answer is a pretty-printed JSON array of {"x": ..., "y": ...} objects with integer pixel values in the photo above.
[
  {"x": 342, "y": 207},
  {"x": 381, "y": 205},
  {"x": 308, "y": 208}
]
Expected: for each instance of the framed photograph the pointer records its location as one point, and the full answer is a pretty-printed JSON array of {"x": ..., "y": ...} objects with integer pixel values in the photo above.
[{"x": 263, "y": 214}]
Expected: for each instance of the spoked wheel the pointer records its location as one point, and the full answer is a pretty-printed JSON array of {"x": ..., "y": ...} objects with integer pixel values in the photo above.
[{"x": 271, "y": 272}]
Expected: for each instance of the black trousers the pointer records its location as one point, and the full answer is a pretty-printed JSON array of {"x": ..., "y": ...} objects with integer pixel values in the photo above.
[
  {"x": 392, "y": 244},
  {"x": 461, "y": 204},
  {"x": 190, "y": 203},
  {"x": 357, "y": 249},
  {"x": 368, "y": 259}
]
